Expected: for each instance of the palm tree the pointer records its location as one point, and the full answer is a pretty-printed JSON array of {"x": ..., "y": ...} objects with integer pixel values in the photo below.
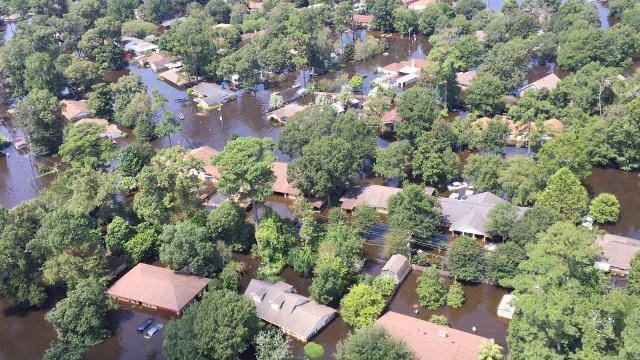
[{"x": 489, "y": 350}]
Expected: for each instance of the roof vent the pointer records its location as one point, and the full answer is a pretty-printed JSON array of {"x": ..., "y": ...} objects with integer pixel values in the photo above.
[{"x": 442, "y": 333}]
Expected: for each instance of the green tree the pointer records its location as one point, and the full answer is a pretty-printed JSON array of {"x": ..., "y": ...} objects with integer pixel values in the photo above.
[
  {"x": 394, "y": 160},
  {"x": 439, "y": 320},
  {"x": 466, "y": 259},
  {"x": 119, "y": 231},
  {"x": 435, "y": 163},
  {"x": 382, "y": 11},
  {"x": 328, "y": 165},
  {"x": 68, "y": 270},
  {"x": 634, "y": 274},
  {"x": 502, "y": 263},
  {"x": 122, "y": 10},
  {"x": 483, "y": 172},
  {"x": 231, "y": 319},
  {"x": 565, "y": 151},
  {"x": 228, "y": 223},
  {"x": 82, "y": 74},
  {"x": 509, "y": 62},
  {"x": 469, "y": 8},
  {"x": 373, "y": 343},
  {"x": 58, "y": 350},
  {"x": 565, "y": 195},
  {"x": 186, "y": 246},
  {"x": 330, "y": 278},
  {"x": 501, "y": 220},
  {"x": 361, "y": 306},
  {"x": 484, "y": 95},
  {"x": 455, "y": 295},
  {"x": 167, "y": 125},
  {"x": 143, "y": 245},
  {"x": 81, "y": 317},
  {"x": 363, "y": 218},
  {"x": 40, "y": 73},
  {"x": 84, "y": 146},
  {"x": 489, "y": 350},
  {"x": 245, "y": 169},
  {"x": 133, "y": 158},
  {"x": 431, "y": 291},
  {"x": 100, "y": 101},
  {"x": 272, "y": 345},
  {"x": 405, "y": 20},
  {"x": 418, "y": 109},
  {"x": 414, "y": 211},
  {"x": 39, "y": 117},
  {"x": 534, "y": 221},
  {"x": 605, "y": 208},
  {"x": 493, "y": 138},
  {"x": 274, "y": 238},
  {"x": 397, "y": 242},
  {"x": 518, "y": 180}
]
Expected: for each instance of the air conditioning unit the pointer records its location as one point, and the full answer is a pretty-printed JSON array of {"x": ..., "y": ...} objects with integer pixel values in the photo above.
[{"x": 442, "y": 333}]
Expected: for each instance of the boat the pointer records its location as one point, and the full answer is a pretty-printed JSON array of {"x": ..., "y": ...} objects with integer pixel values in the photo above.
[
  {"x": 181, "y": 116},
  {"x": 181, "y": 100}
]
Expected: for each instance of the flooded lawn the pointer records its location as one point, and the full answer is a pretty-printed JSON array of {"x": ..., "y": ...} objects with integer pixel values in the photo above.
[{"x": 626, "y": 186}]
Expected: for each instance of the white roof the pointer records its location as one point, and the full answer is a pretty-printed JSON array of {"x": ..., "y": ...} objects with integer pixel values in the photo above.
[{"x": 137, "y": 45}]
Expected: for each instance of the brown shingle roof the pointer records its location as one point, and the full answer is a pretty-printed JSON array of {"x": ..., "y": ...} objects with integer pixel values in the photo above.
[
  {"x": 425, "y": 339},
  {"x": 362, "y": 19},
  {"x": 466, "y": 78},
  {"x": 390, "y": 117},
  {"x": 204, "y": 154},
  {"x": 368, "y": 194},
  {"x": 281, "y": 184},
  {"x": 74, "y": 110},
  {"x": 286, "y": 112},
  {"x": 618, "y": 250},
  {"x": 548, "y": 82},
  {"x": 158, "y": 287}
]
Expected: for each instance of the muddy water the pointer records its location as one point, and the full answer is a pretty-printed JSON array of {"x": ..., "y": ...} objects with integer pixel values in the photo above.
[
  {"x": 626, "y": 186},
  {"x": 479, "y": 309}
]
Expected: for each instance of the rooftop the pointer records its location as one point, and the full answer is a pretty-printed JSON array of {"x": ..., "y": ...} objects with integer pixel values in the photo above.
[
  {"x": 390, "y": 117},
  {"x": 466, "y": 78},
  {"x": 368, "y": 195},
  {"x": 618, "y": 250},
  {"x": 431, "y": 341},
  {"x": 548, "y": 82},
  {"x": 158, "y": 287},
  {"x": 74, "y": 110},
  {"x": 281, "y": 184},
  {"x": 286, "y": 111},
  {"x": 204, "y": 154}
]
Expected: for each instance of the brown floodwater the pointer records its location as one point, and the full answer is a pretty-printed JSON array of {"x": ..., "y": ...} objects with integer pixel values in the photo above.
[{"x": 626, "y": 186}]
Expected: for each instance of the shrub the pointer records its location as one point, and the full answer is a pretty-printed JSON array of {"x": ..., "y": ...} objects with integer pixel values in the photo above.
[
  {"x": 466, "y": 261},
  {"x": 384, "y": 285},
  {"x": 313, "y": 350},
  {"x": 455, "y": 295},
  {"x": 439, "y": 319},
  {"x": 361, "y": 306}
]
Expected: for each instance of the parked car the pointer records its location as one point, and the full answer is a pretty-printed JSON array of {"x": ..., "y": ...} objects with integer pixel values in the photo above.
[
  {"x": 145, "y": 324},
  {"x": 153, "y": 330}
]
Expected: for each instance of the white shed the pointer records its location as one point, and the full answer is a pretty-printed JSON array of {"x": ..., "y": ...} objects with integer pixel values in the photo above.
[
  {"x": 397, "y": 268},
  {"x": 506, "y": 307}
]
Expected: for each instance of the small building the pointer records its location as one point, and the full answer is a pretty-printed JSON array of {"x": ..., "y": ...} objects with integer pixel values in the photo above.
[
  {"x": 158, "y": 288},
  {"x": 390, "y": 119},
  {"x": 469, "y": 216},
  {"x": 74, "y": 110},
  {"x": 111, "y": 130},
  {"x": 281, "y": 185},
  {"x": 178, "y": 77},
  {"x": 20, "y": 144},
  {"x": 167, "y": 24},
  {"x": 294, "y": 314},
  {"x": 282, "y": 114},
  {"x": 430, "y": 341},
  {"x": 209, "y": 95},
  {"x": 507, "y": 307},
  {"x": 617, "y": 252},
  {"x": 137, "y": 46},
  {"x": 548, "y": 82},
  {"x": 254, "y": 6},
  {"x": 465, "y": 79},
  {"x": 376, "y": 196},
  {"x": 421, "y": 4},
  {"x": 156, "y": 62},
  {"x": 397, "y": 268},
  {"x": 362, "y": 20},
  {"x": 246, "y": 37},
  {"x": 209, "y": 172}
]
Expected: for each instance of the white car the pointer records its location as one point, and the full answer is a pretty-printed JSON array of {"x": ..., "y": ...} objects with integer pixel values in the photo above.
[{"x": 154, "y": 329}]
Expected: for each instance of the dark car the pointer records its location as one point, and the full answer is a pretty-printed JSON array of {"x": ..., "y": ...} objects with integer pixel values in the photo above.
[{"x": 142, "y": 327}]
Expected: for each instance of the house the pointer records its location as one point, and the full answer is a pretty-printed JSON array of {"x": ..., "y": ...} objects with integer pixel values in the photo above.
[
  {"x": 470, "y": 215},
  {"x": 281, "y": 185},
  {"x": 421, "y": 4},
  {"x": 519, "y": 134},
  {"x": 158, "y": 288},
  {"x": 167, "y": 24},
  {"x": 399, "y": 75},
  {"x": 282, "y": 114},
  {"x": 137, "y": 46},
  {"x": 507, "y": 307},
  {"x": 362, "y": 20},
  {"x": 209, "y": 172},
  {"x": 548, "y": 82},
  {"x": 209, "y": 95},
  {"x": 465, "y": 79},
  {"x": 156, "y": 62},
  {"x": 178, "y": 77},
  {"x": 74, "y": 110},
  {"x": 294, "y": 314},
  {"x": 617, "y": 252},
  {"x": 376, "y": 196},
  {"x": 255, "y": 6},
  {"x": 111, "y": 130},
  {"x": 430, "y": 341},
  {"x": 397, "y": 268}
]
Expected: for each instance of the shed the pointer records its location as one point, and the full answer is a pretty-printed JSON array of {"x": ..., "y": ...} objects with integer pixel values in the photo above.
[
  {"x": 506, "y": 308},
  {"x": 20, "y": 144},
  {"x": 362, "y": 20},
  {"x": 282, "y": 186},
  {"x": 157, "y": 62},
  {"x": 397, "y": 268},
  {"x": 111, "y": 130}
]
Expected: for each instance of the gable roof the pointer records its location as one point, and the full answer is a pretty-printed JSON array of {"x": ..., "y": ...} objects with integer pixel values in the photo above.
[
  {"x": 368, "y": 194},
  {"x": 286, "y": 111},
  {"x": 548, "y": 82},
  {"x": 431, "y": 341},
  {"x": 281, "y": 184},
  {"x": 466, "y": 78},
  {"x": 279, "y": 305},
  {"x": 618, "y": 250},
  {"x": 204, "y": 154},
  {"x": 74, "y": 110},
  {"x": 391, "y": 117},
  {"x": 362, "y": 18},
  {"x": 158, "y": 287}
]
